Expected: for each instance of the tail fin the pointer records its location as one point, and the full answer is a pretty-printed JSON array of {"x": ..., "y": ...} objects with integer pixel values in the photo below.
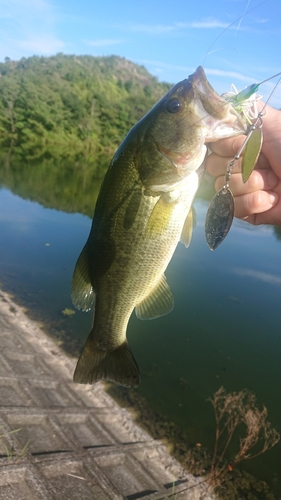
[{"x": 118, "y": 366}]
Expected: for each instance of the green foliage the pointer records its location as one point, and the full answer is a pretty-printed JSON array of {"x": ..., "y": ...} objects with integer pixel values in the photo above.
[{"x": 72, "y": 107}]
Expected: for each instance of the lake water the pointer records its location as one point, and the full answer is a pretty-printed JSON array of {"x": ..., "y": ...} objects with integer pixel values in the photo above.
[{"x": 224, "y": 329}]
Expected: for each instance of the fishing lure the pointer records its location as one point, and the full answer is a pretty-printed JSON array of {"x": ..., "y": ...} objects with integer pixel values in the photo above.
[{"x": 221, "y": 209}]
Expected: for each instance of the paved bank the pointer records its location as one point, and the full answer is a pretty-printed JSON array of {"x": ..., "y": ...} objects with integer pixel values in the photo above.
[{"x": 76, "y": 442}]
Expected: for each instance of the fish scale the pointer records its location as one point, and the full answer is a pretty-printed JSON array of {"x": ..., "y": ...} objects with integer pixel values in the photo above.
[{"x": 142, "y": 212}]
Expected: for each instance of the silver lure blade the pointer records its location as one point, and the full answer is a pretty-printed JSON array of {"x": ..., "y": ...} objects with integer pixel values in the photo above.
[{"x": 219, "y": 217}]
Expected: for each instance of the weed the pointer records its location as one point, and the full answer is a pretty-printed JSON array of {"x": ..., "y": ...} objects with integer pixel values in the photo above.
[
  {"x": 10, "y": 452},
  {"x": 233, "y": 410}
]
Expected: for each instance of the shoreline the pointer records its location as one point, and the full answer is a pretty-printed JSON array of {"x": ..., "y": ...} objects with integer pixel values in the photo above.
[
  {"x": 195, "y": 460},
  {"x": 58, "y": 432}
]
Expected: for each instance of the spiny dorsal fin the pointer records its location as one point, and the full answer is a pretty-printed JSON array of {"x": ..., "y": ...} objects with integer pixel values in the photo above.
[
  {"x": 188, "y": 226},
  {"x": 82, "y": 292},
  {"x": 160, "y": 301}
]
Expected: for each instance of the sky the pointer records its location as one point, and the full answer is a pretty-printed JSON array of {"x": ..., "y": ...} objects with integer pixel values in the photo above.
[{"x": 236, "y": 41}]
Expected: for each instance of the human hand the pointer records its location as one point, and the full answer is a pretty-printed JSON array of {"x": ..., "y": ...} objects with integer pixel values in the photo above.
[{"x": 258, "y": 201}]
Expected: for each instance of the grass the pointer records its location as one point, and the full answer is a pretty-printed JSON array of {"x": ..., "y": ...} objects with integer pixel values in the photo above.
[{"x": 10, "y": 452}]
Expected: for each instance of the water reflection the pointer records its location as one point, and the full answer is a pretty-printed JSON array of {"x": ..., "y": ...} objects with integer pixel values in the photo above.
[
  {"x": 225, "y": 327},
  {"x": 71, "y": 187},
  {"x": 258, "y": 275}
]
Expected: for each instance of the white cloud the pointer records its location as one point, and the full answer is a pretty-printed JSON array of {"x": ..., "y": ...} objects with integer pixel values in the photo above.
[
  {"x": 153, "y": 29},
  {"x": 27, "y": 10},
  {"x": 208, "y": 23},
  {"x": 261, "y": 21},
  {"x": 159, "y": 29},
  {"x": 228, "y": 74},
  {"x": 165, "y": 66},
  {"x": 103, "y": 42},
  {"x": 28, "y": 27},
  {"x": 41, "y": 45},
  {"x": 189, "y": 69}
]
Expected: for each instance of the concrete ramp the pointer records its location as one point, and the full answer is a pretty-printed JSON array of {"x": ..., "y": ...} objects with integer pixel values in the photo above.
[{"x": 70, "y": 442}]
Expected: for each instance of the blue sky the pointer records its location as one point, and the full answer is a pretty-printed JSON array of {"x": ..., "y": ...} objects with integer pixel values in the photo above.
[{"x": 170, "y": 38}]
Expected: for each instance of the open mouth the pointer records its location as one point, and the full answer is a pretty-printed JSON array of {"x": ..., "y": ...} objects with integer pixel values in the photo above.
[{"x": 218, "y": 115}]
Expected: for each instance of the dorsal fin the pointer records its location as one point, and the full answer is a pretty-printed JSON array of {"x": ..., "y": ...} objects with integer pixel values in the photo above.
[{"x": 82, "y": 292}]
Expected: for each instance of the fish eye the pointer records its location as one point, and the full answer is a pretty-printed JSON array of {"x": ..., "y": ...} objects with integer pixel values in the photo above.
[{"x": 174, "y": 105}]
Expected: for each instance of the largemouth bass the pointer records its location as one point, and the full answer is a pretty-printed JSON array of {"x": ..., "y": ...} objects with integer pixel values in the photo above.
[{"x": 143, "y": 210}]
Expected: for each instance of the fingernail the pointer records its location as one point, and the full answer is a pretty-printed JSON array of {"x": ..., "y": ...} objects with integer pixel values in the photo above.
[{"x": 273, "y": 198}]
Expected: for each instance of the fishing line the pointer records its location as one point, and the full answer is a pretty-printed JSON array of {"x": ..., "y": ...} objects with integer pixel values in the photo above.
[
  {"x": 239, "y": 24},
  {"x": 238, "y": 19},
  {"x": 270, "y": 78}
]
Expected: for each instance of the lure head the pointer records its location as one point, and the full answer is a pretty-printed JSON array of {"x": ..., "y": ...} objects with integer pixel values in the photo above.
[
  {"x": 247, "y": 93},
  {"x": 245, "y": 101}
]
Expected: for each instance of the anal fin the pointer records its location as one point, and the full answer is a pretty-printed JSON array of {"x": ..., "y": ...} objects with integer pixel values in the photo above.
[{"x": 160, "y": 301}]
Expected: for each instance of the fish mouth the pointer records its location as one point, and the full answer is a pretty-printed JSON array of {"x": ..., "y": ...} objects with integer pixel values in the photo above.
[{"x": 218, "y": 115}]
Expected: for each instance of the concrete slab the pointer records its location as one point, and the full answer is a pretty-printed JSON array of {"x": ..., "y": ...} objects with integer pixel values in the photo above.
[{"x": 76, "y": 442}]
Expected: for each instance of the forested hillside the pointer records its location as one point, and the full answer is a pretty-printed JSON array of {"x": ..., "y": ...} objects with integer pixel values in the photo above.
[{"x": 72, "y": 107}]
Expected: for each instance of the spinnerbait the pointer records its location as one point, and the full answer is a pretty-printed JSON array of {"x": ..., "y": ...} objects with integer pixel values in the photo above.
[{"x": 221, "y": 209}]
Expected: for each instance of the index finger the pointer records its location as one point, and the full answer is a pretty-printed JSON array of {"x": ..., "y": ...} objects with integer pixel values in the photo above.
[{"x": 227, "y": 147}]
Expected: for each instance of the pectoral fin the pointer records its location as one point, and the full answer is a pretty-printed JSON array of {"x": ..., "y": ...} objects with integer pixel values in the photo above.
[
  {"x": 159, "y": 302},
  {"x": 188, "y": 226},
  {"x": 160, "y": 217},
  {"x": 82, "y": 292}
]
